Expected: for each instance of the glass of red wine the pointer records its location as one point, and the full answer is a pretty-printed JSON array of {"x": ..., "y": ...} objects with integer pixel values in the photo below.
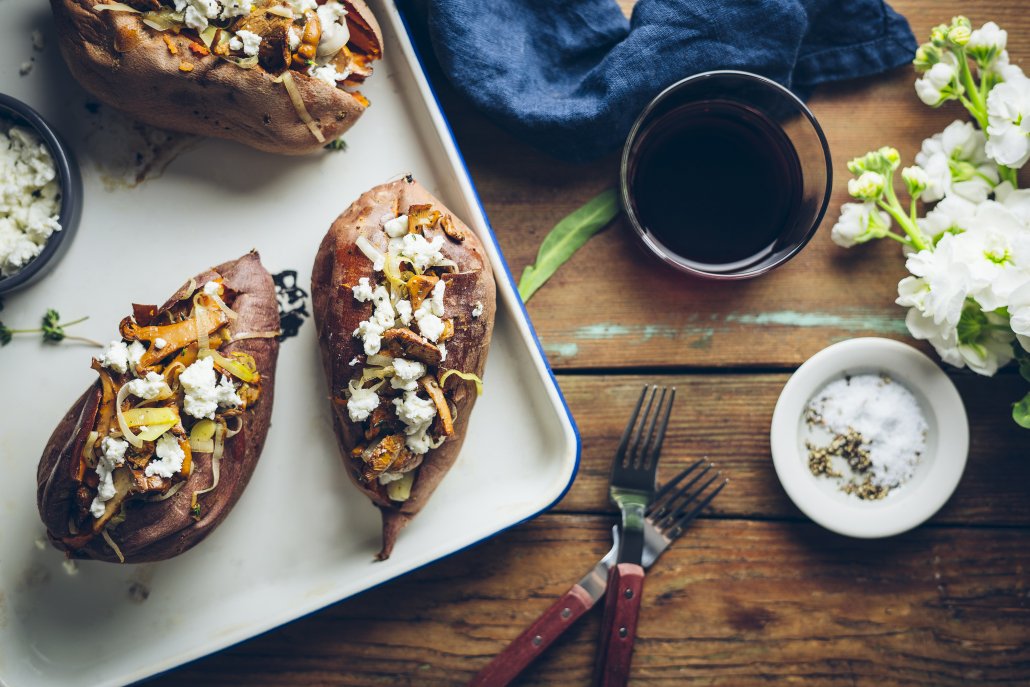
[{"x": 726, "y": 175}]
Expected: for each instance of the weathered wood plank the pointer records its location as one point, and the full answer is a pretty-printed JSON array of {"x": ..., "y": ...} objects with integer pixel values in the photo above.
[
  {"x": 613, "y": 305},
  {"x": 727, "y": 418},
  {"x": 737, "y": 603}
]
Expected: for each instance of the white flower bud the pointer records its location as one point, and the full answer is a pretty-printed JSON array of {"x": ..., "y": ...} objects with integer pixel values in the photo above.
[
  {"x": 858, "y": 223},
  {"x": 959, "y": 35},
  {"x": 986, "y": 43},
  {"x": 869, "y": 186},
  {"x": 916, "y": 180},
  {"x": 935, "y": 87}
]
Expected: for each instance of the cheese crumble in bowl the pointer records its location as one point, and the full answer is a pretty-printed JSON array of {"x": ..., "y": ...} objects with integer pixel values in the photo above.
[
  {"x": 40, "y": 196},
  {"x": 869, "y": 438}
]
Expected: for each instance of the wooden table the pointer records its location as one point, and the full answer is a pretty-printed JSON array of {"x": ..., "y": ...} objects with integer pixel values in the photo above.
[{"x": 756, "y": 593}]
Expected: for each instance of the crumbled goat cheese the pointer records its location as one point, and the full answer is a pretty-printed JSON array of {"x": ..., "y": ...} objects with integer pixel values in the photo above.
[
  {"x": 354, "y": 361},
  {"x": 150, "y": 387},
  {"x": 443, "y": 352},
  {"x": 25, "y": 68},
  {"x": 113, "y": 455},
  {"x": 404, "y": 312},
  {"x": 299, "y": 7},
  {"x": 388, "y": 477},
  {"x": 371, "y": 330},
  {"x": 406, "y": 374},
  {"x": 361, "y": 404},
  {"x": 396, "y": 227},
  {"x": 421, "y": 253},
  {"x": 135, "y": 352},
  {"x": 160, "y": 343},
  {"x": 115, "y": 356},
  {"x": 415, "y": 412},
  {"x": 236, "y": 8},
  {"x": 478, "y": 309},
  {"x": 29, "y": 197},
  {"x": 429, "y": 324},
  {"x": 437, "y": 298},
  {"x": 335, "y": 34},
  {"x": 203, "y": 395},
  {"x": 363, "y": 291},
  {"x": 294, "y": 39},
  {"x": 169, "y": 457},
  {"x": 249, "y": 42},
  {"x": 329, "y": 74},
  {"x": 198, "y": 12},
  {"x": 212, "y": 287}
]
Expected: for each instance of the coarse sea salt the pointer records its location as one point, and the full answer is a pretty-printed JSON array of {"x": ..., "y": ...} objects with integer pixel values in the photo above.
[{"x": 886, "y": 415}]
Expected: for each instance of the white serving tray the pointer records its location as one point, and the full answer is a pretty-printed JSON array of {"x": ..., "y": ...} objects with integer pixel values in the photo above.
[{"x": 301, "y": 537}]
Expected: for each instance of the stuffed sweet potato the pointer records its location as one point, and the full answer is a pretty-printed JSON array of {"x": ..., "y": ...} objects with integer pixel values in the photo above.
[
  {"x": 156, "y": 452},
  {"x": 404, "y": 303},
  {"x": 277, "y": 75}
]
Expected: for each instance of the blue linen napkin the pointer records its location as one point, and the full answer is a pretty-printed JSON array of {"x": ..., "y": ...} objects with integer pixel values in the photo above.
[{"x": 570, "y": 76}]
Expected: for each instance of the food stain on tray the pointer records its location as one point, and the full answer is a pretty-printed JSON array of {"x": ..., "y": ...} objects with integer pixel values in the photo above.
[{"x": 127, "y": 152}]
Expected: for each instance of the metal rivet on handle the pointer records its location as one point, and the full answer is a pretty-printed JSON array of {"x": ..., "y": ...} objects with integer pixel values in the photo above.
[
  {"x": 628, "y": 593},
  {"x": 565, "y": 613},
  {"x": 623, "y": 632},
  {"x": 538, "y": 640}
]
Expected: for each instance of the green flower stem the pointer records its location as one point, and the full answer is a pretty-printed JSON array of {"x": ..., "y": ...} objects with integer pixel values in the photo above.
[
  {"x": 1009, "y": 174},
  {"x": 912, "y": 211},
  {"x": 899, "y": 238},
  {"x": 966, "y": 75},
  {"x": 894, "y": 209}
]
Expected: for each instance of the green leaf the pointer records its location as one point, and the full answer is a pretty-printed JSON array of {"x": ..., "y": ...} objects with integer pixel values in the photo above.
[
  {"x": 52, "y": 330},
  {"x": 338, "y": 144},
  {"x": 5, "y": 334},
  {"x": 1021, "y": 412},
  {"x": 1024, "y": 368},
  {"x": 568, "y": 236}
]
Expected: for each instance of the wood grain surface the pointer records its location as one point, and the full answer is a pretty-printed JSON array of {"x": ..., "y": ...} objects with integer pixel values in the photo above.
[{"x": 755, "y": 594}]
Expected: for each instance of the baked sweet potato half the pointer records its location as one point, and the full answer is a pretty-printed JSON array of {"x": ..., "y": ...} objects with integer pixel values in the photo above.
[
  {"x": 277, "y": 75},
  {"x": 156, "y": 452},
  {"x": 404, "y": 303}
]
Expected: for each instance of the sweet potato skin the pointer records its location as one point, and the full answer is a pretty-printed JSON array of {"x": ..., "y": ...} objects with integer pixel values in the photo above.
[
  {"x": 339, "y": 264},
  {"x": 161, "y": 530},
  {"x": 128, "y": 66}
]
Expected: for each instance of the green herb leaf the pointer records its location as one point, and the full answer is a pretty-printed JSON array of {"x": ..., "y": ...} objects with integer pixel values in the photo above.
[
  {"x": 568, "y": 236},
  {"x": 5, "y": 334},
  {"x": 1024, "y": 363},
  {"x": 52, "y": 329},
  {"x": 338, "y": 144},
  {"x": 1021, "y": 412}
]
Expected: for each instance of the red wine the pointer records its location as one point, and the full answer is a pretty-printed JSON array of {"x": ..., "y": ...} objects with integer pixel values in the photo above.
[{"x": 716, "y": 183}]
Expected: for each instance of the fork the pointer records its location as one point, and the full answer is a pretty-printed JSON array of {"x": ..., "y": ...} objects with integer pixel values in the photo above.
[
  {"x": 631, "y": 489},
  {"x": 668, "y": 517}
]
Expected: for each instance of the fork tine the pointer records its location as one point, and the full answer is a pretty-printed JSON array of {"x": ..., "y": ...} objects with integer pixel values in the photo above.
[
  {"x": 677, "y": 528},
  {"x": 684, "y": 493},
  {"x": 638, "y": 434},
  {"x": 621, "y": 451},
  {"x": 655, "y": 442},
  {"x": 670, "y": 485},
  {"x": 688, "y": 498},
  {"x": 640, "y": 458}
]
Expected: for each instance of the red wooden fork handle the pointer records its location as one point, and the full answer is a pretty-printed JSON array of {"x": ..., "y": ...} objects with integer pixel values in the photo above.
[
  {"x": 619, "y": 627},
  {"x": 507, "y": 665}
]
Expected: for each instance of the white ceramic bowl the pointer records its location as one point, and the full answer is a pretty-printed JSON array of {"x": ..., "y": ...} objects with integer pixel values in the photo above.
[{"x": 937, "y": 473}]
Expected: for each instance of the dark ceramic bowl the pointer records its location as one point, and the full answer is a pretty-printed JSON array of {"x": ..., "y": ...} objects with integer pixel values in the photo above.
[{"x": 71, "y": 196}]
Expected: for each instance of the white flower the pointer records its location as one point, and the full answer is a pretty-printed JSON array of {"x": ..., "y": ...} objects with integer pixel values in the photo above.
[
  {"x": 996, "y": 253},
  {"x": 982, "y": 342},
  {"x": 935, "y": 86},
  {"x": 1017, "y": 201},
  {"x": 916, "y": 180},
  {"x": 946, "y": 280},
  {"x": 858, "y": 223},
  {"x": 942, "y": 337},
  {"x": 955, "y": 162},
  {"x": 1008, "y": 116},
  {"x": 1004, "y": 70},
  {"x": 986, "y": 43},
  {"x": 868, "y": 186},
  {"x": 1019, "y": 315},
  {"x": 954, "y": 214}
]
